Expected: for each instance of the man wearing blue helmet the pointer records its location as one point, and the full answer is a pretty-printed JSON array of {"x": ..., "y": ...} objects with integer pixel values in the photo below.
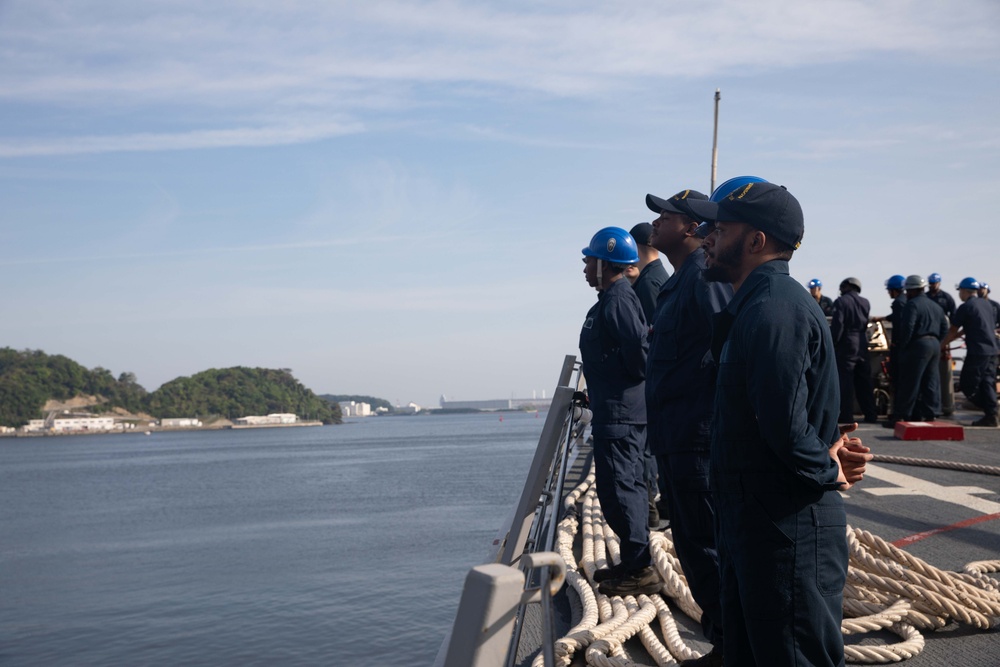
[
  {"x": 825, "y": 302},
  {"x": 922, "y": 327},
  {"x": 977, "y": 321},
  {"x": 613, "y": 350},
  {"x": 776, "y": 447},
  {"x": 894, "y": 286},
  {"x": 939, "y": 296}
]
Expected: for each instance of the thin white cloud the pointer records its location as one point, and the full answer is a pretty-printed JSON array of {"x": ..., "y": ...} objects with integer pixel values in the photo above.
[
  {"x": 258, "y": 136},
  {"x": 183, "y": 62},
  {"x": 192, "y": 252}
]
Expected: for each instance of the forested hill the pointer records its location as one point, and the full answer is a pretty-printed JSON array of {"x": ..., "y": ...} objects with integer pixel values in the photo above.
[
  {"x": 29, "y": 378},
  {"x": 235, "y": 392}
]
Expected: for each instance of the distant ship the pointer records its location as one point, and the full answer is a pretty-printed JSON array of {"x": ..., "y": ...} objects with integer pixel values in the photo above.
[{"x": 526, "y": 404}]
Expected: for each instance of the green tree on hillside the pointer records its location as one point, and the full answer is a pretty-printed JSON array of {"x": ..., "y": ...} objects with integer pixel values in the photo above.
[
  {"x": 29, "y": 378},
  {"x": 238, "y": 392}
]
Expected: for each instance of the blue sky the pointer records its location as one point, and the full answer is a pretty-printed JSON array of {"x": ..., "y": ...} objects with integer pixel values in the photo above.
[{"x": 390, "y": 198}]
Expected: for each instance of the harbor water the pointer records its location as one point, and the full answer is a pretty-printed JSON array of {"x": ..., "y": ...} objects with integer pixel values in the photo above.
[{"x": 336, "y": 545}]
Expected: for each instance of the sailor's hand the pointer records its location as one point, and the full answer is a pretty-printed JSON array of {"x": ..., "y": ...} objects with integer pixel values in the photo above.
[{"x": 851, "y": 456}]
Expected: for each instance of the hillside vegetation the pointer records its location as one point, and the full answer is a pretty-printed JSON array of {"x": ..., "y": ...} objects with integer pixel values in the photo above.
[{"x": 29, "y": 378}]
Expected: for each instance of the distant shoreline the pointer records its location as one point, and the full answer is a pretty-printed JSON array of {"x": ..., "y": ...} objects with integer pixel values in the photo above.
[{"x": 150, "y": 431}]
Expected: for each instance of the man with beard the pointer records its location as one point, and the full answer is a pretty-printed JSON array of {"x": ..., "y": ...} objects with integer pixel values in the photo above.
[
  {"x": 774, "y": 474},
  {"x": 680, "y": 389},
  {"x": 825, "y": 302}
]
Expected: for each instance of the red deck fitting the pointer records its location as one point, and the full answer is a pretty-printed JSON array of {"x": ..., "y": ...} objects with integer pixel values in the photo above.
[{"x": 929, "y": 431}]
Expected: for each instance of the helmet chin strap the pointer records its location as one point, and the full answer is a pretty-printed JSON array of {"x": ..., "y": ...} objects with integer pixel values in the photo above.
[{"x": 600, "y": 277}]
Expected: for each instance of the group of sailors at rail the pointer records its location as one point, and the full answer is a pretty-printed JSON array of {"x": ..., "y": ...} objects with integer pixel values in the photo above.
[
  {"x": 720, "y": 389},
  {"x": 923, "y": 323}
]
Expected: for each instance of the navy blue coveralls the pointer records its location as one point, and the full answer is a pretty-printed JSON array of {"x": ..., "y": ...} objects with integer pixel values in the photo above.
[
  {"x": 848, "y": 326},
  {"x": 895, "y": 319},
  {"x": 613, "y": 349},
  {"x": 826, "y": 305},
  {"x": 680, "y": 392},
  {"x": 947, "y": 304},
  {"x": 978, "y": 321},
  {"x": 647, "y": 287},
  {"x": 922, "y": 327},
  {"x": 945, "y": 300},
  {"x": 781, "y": 523}
]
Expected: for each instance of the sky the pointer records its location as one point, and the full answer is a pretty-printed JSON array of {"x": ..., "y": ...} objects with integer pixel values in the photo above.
[{"x": 390, "y": 198}]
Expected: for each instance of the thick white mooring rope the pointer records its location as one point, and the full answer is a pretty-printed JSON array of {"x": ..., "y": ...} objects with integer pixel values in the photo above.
[{"x": 887, "y": 589}]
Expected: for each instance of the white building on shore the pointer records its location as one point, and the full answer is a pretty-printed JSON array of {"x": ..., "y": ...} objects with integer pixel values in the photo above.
[
  {"x": 271, "y": 419},
  {"x": 72, "y": 423},
  {"x": 180, "y": 422},
  {"x": 355, "y": 409}
]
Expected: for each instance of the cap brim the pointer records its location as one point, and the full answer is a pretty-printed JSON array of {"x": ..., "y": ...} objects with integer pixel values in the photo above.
[
  {"x": 710, "y": 211},
  {"x": 706, "y": 211},
  {"x": 672, "y": 205},
  {"x": 704, "y": 229},
  {"x": 659, "y": 205}
]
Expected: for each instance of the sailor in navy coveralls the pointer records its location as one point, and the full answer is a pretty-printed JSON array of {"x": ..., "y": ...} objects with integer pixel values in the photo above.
[
  {"x": 847, "y": 326},
  {"x": 613, "y": 348},
  {"x": 918, "y": 335},
  {"x": 777, "y": 456},
  {"x": 680, "y": 391},
  {"x": 977, "y": 321}
]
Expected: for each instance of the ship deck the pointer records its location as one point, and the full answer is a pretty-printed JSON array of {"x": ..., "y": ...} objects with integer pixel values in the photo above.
[{"x": 948, "y": 518}]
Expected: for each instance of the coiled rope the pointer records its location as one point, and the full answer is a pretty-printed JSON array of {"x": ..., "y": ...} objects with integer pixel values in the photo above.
[
  {"x": 887, "y": 589},
  {"x": 934, "y": 463}
]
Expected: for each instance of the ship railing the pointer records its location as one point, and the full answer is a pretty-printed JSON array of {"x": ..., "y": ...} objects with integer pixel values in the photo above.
[{"x": 522, "y": 568}]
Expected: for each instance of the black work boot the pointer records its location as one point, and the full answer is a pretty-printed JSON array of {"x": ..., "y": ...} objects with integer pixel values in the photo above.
[
  {"x": 605, "y": 573},
  {"x": 988, "y": 420},
  {"x": 641, "y": 582},
  {"x": 711, "y": 659}
]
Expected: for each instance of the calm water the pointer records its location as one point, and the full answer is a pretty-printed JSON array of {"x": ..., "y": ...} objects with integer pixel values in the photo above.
[{"x": 337, "y": 545}]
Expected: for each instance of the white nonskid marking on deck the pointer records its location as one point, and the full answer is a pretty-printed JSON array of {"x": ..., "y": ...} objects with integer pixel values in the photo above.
[{"x": 914, "y": 486}]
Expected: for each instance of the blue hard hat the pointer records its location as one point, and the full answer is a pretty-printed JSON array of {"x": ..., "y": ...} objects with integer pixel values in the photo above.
[
  {"x": 732, "y": 184},
  {"x": 968, "y": 283},
  {"x": 613, "y": 244},
  {"x": 895, "y": 282},
  {"x": 985, "y": 286},
  {"x": 815, "y": 282},
  {"x": 934, "y": 278}
]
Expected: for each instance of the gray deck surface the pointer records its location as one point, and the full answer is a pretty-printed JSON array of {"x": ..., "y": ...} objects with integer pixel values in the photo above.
[{"x": 926, "y": 499}]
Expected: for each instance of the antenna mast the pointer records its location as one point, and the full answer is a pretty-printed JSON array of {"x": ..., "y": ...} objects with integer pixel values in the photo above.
[{"x": 715, "y": 140}]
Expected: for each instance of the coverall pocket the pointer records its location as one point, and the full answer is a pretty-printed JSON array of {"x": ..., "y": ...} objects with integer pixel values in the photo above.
[
  {"x": 665, "y": 345},
  {"x": 831, "y": 549},
  {"x": 768, "y": 563}
]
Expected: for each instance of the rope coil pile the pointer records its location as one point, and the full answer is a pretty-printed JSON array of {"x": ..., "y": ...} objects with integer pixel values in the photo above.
[{"x": 887, "y": 589}]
